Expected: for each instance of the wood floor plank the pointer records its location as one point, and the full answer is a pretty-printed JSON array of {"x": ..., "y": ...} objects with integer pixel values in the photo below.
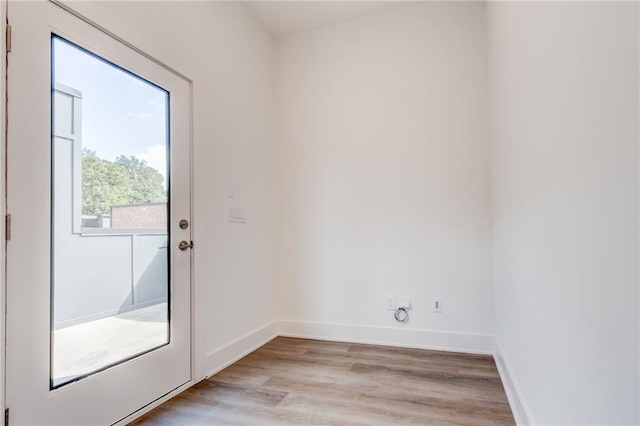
[
  {"x": 429, "y": 376},
  {"x": 308, "y": 344},
  {"x": 298, "y": 381},
  {"x": 220, "y": 393}
]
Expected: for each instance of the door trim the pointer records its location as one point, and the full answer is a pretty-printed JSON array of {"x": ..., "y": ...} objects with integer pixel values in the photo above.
[
  {"x": 99, "y": 27},
  {"x": 3, "y": 201}
]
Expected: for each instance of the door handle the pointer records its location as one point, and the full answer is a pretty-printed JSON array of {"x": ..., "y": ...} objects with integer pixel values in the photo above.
[{"x": 183, "y": 245}]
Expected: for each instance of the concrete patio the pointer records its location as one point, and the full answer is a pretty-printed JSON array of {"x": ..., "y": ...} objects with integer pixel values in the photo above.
[{"x": 85, "y": 348}]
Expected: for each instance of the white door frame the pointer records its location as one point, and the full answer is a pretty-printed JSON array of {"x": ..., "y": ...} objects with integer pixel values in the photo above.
[
  {"x": 3, "y": 144},
  {"x": 198, "y": 366}
]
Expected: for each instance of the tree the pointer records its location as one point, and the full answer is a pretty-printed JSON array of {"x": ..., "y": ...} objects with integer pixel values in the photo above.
[
  {"x": 145, "y": 183},
  {"x": 128, "y": 180}
]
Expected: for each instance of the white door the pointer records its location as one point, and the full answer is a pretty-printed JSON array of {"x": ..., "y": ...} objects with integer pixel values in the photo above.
[{"x": 98, "y": 292}]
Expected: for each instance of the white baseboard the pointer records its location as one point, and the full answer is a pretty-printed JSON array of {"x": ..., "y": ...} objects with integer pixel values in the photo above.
[
  {"x": 519, "y": 407},
  {"x": 389, "y": 336},
  {"x": 227, "y": 355}
]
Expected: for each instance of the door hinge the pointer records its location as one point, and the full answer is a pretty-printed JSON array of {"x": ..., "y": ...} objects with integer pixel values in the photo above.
[
  {"x": 6, "y": 416},
  {"x": 8, "y": 38},
  {"x": 7, "y": 227}
]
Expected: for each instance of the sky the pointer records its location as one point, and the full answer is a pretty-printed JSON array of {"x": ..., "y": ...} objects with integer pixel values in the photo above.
[{"x": 122, "y": 114}]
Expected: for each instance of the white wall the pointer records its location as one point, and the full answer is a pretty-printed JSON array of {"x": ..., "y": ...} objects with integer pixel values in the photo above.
[
  {"x": 384, "y": 173},
  {"x": 384, "y": 179},
  {"x": 564, "y": 90},
  {"x": 229, "y": 57}
]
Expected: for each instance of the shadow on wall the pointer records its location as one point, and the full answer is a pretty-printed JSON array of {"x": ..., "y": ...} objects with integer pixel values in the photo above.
[{"x": 151, "y": 286}]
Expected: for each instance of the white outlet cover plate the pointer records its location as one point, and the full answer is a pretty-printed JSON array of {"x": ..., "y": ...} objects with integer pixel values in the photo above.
[{"x": 403, "y": 302}]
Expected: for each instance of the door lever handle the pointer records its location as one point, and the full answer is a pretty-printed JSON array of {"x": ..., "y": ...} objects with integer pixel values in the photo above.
[{"x": 183, "y": 245}]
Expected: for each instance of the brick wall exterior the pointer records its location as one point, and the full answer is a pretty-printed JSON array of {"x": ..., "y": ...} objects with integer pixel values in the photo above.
[{"x": 152, "y": 215}]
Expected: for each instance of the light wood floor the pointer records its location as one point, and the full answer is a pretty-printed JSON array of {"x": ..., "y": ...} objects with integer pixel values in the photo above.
[{"x": 298, "y": 382}]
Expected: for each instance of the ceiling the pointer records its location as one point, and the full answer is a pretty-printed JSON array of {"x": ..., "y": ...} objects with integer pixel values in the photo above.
[{"x": 282, "y": 18}]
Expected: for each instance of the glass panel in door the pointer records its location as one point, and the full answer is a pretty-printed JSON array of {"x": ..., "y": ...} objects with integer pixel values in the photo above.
[{"x": 109, "y": 218}]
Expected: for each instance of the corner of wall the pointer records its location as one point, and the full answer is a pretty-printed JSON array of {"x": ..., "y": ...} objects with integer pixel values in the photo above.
[
  {"x": 223, "y": 357},
  {"x": 519, "y": 407}
]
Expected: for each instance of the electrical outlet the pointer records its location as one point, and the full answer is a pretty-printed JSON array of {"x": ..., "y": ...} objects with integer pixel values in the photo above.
[
  {"x": 390, "y": 303},
  {"x": 403, "y": 302},
  {"x": 437, "y": 305}
]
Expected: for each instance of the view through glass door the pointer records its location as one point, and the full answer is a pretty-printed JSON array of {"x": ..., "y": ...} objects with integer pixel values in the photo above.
[
  {"x": 98, "y": 270},
  {"x": 109, "y": 214}
]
